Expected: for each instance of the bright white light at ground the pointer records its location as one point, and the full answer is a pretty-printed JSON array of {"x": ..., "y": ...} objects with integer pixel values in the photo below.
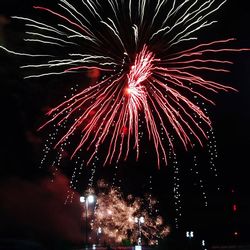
[
  {"x": 91, "y": 199},
  {"x": 142, "y": 220},
  {"x": 82, "y": 199},
  {"x": 138, "y": 248},
  {"x": 189, "y": 234}
]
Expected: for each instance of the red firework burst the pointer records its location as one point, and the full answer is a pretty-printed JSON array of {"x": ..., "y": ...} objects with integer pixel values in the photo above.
[{"x": 146, "y": 88}]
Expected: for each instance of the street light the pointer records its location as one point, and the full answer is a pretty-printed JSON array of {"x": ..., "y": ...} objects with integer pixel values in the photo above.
[
  {"x": 139, "y": 221},
  {"x": 189, "y": 235},
  {"x": 89, "y": 199},
  {"x": 99, "y": 231},
  {"x": 82, "y": 199}
]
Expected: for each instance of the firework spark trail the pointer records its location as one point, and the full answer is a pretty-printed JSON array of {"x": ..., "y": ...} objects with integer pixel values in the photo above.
[
  {"x": 137, "y": 94},
  {"x": 144, "y": 79}
]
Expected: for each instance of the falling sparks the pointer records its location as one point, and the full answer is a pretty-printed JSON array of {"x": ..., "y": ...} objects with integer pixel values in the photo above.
[
  {"x": 115, "y": 215},
  {"x": 148, "y": 82}
]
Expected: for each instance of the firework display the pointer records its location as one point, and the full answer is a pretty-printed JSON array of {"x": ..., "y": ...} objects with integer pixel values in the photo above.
[
  {"x": 116, "y": 217},
  {"x": 150, "y": 74}
]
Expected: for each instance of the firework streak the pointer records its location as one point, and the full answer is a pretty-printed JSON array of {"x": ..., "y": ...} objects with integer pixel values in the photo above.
[{"x": 150, "y": 76}]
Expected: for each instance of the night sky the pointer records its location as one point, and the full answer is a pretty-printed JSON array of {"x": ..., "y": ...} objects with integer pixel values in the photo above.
[{"x": 23, "y": 104}]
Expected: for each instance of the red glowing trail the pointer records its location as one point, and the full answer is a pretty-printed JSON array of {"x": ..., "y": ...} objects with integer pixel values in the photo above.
[
  {"x": 63, "y": 17},
  {"x": 120, "y": 99}
]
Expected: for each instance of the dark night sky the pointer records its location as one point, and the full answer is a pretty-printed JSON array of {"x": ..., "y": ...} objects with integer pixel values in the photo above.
[{"x": 231, "y": 119}]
